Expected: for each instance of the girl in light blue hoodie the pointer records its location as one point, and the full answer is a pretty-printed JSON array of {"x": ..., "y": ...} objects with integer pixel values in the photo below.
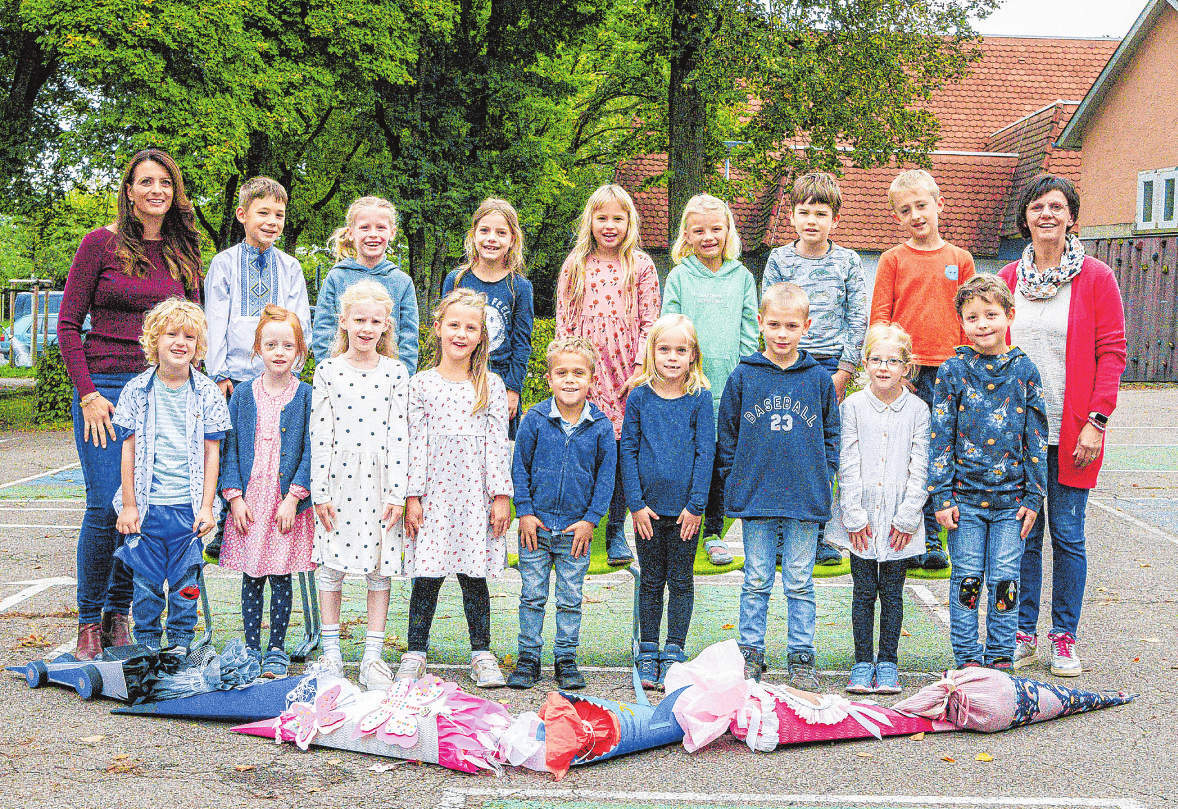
[{"x": 359, "y": 249}]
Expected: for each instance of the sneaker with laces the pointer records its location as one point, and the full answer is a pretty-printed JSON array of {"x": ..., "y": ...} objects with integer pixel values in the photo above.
[
  {"x": 1026, "y": 649},
  {"x": 412, "y": 666},
  {"x": 526, "y": 674},
  {"x": 754, "y": 663},
  {"x": 485, "y": 671},
  {"x": 862, "y": 679},
  {"x": 328, "y": 665},
  {"x": 802, "y": 675},
  {"x": 1002, "y": 664},
  {"x": 375, "y": 674},
  {"x": 826, "y": 554},
  {"x": 647, "y": 663},
  {"x": 1065, "y": 660},
  {"x": 887, "y": 678},
  {"x": 568, "y": 676}
]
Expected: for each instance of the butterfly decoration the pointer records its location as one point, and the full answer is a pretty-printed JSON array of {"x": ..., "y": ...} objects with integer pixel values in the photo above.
[
  {"x": 310, "y": 720},
  {"x": 395, "y": 719}
]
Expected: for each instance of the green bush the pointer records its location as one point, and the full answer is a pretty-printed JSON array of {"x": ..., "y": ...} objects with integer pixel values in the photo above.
[
  {"x": 54, "y": 392},
  {"x": 535, "y": 387}
]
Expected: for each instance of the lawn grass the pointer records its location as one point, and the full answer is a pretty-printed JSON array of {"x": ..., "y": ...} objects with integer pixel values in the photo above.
[
  {"x": 15, "y": 372},
  {"x": 17, "y": 412}
]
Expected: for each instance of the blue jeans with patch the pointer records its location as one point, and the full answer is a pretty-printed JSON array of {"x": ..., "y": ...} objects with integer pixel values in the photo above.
[
  {"x": 925, "y": 380},
  {"x": 987, "y": 550},
  {"x": 165, "y": 551},
  {"x": 797, "y": 541},
  {"x": 553, "y": 551},
  {"x": 104, "y": 583},
  {"x": 1066, "y": 506}
]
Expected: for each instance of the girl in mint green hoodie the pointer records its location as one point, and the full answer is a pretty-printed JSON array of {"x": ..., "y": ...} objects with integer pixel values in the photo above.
[{"x": 711, "y": 286}]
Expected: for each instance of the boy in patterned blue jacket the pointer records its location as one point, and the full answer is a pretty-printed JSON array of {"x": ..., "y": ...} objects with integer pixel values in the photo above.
[{"x": 987, "y": 469}]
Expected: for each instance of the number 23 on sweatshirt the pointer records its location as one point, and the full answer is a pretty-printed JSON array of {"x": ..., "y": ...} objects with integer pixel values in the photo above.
[{"x": 778, "y": 444}]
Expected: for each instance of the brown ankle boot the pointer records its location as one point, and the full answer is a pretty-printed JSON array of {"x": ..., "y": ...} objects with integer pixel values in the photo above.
[
  {"x": 89, "y": 641},
  {"x": 115, "y": 629}
]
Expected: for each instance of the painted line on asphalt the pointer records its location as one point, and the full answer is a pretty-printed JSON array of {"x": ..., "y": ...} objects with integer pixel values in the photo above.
[
  {"x": 39, "y": 526},
  {"x": 929, "y": 600},
  {"x": 456, "y": 798},
  {"x": 1131, "y": 519},
  {"x": 35, "y": 587},
  {"x": 51, "y": 508},
  {"x": 12, "y": 483}
]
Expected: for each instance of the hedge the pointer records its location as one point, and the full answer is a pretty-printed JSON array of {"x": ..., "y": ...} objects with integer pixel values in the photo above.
[{"x": 53, "y": 394}]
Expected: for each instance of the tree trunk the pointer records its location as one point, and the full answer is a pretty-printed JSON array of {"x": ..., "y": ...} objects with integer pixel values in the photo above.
[{"x": 687, "y": 117}]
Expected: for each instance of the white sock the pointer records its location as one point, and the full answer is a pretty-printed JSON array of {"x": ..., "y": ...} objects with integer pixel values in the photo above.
[
  {"x": 329, "y": 634},
  {"x": 373, "y": 645}
]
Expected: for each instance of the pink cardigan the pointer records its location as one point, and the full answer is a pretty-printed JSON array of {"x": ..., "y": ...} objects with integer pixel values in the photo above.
[{"x": 1094, "y": 361}]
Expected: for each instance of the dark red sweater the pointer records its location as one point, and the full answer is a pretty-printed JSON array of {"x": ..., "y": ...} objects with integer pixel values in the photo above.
[{"x": 116, "y": 303}]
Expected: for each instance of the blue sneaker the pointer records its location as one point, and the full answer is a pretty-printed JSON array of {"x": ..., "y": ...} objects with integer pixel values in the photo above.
[
  {"x": 647, "y": 663},
  {"x": 862, "y": 679},
  {"x": 672, "y": 654},
  {"x": 887, "y": 678}
]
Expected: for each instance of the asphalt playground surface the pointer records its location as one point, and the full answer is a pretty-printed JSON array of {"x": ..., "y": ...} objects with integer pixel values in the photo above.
[{"x": 58, "y": 751}]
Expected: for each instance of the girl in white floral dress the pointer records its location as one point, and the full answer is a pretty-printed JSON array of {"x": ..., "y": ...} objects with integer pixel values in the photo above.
[
  {"x": 359, "y": 471},
  {"x": 457, "y": 511}
]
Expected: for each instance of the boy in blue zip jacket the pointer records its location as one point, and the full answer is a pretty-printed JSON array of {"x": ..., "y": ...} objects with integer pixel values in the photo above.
[
  {"x": 778, "y": 453},
  {"x": 563, "y": 472},
  {"x": 987, "y": 469}
]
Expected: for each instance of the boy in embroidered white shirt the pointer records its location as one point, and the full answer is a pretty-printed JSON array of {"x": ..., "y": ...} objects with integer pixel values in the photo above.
[{"x": 172, "y": 419}]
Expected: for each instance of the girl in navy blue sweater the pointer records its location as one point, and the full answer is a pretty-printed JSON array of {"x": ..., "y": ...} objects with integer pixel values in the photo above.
[{"x": 668, "y": 442}]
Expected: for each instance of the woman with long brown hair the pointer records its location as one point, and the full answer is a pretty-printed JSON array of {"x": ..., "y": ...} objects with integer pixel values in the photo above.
[{"x": 150, "y": 253}]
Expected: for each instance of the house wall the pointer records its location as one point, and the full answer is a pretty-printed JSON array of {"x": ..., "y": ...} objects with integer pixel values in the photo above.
[{"x": 1132, "y": 130}]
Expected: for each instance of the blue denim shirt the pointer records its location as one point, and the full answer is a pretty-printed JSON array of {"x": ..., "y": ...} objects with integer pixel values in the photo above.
[
  {"x": 207, "y": 418},
  {"x": 560, "y": 478}
]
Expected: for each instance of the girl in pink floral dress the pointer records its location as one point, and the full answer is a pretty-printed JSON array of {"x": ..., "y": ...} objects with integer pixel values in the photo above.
[
  {"x": 266, "y": 478},
  {"x": 458, "y": 509},
  {"x": 608, "y": 293}
]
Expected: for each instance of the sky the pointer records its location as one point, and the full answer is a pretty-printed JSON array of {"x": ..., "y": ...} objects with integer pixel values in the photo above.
[{"x": 1063, "y": 18}]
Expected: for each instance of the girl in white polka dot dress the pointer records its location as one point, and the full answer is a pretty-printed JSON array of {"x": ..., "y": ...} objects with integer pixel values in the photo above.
[
  {"x": 457, "y": 511},
  {"x": 359, "y": 471}
]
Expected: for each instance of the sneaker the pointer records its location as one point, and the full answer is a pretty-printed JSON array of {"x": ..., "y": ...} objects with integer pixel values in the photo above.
[
  {"x": 329, "y": 666},
  {"x": 412, "y": 666},
  {"x": 485, "y": 671},
  {"x": 1026, "y": 649},
  {"x": 971, "y": 664},
  {"x": 647, "y": 663},
  {"x": 1065, "y": 660},
  {"x": 671, "y": 654},
  {"x": 862, "y": 679},
  {"x": 620, "y": 561},
  {"x": 934, "y": 558},
  {"x": 568, "y": 676},
  {"x": 375, "y": 674},
  {"x": 827, "y": 555},
  {"x": 754, "y": 663},
  {"x": 1002, "y": 664},
  {"x": 887, "y": 678},
  {"x": 802, "y": 675},
  {"x": 717, "y": 550},
  {"x": 526, "y": 674},
  {"x": 275, "y": 663}
]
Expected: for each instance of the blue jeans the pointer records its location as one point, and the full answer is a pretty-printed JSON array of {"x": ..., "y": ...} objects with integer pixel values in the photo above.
[
  {"x": 615, "y": 523},
  {"x": 167, "y": 530},
  {"x": 987, "y": 550},
  {"x": 535, "y": 568},
  {"x": 925, "y": 380},
  {"x": 797, "y": 541},
  {"x": 104, "y": 583},
  {"x": 1066, "y": 506},
  {"x": 667, "y": 563}
]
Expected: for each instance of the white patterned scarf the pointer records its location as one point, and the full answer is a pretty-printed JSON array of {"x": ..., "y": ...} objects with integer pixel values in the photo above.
[{"x": 1039, "y": 285}]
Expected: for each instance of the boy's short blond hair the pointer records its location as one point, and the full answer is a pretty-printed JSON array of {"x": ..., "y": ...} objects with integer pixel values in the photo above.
[
  {"x": 786, "y": 296},
  {"x": 912, "y": 180},
  {"x": 571, "y": 345},
  {"x": 257, "y": 188},
  {"x": 817, "y": 188},
  {"x": 989, "y": 288},
  {"x": 182, "y": 312}
]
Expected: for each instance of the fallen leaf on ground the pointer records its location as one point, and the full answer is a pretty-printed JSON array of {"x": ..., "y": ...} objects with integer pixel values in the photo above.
[
  {"x": 905, "y": 633},
  {"x": 509, "y": 660},
  {"x": 1151, "y": 640},
  {"x": 91, "y": 739},
  {"x": 122, "y": 756},
  {"x": 122, "y": 767},
  {"x": 334, "y": 761},
  {"x": 32, "y": 641},
  {"x": 916, "y": 737},
  {"x": 728, "y": 626},
  {"x": 950, "y": 759},
  {"x": 243, "y": 767},
  {"x": 983, "y": 757},
  {"x": 1146, "y": 564},
  {"x": 865, "y": 755}
]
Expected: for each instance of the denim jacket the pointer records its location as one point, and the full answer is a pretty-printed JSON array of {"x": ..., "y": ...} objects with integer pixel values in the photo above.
[{"x": 560, "y": 478}]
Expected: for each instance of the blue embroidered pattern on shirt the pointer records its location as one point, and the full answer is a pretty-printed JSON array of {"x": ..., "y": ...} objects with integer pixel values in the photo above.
[{"x": 258, "y": 283}]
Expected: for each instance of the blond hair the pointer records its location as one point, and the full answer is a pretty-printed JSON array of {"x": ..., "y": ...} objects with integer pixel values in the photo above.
[
  {"x": 912, "y": 180},
  {"x": 817, "y": 188},
  {"x": 181, "y": 312},
  {"x": 571, "y": 285},
  {"x": 889, "y": 333},
  {"x": 463, "y": 296},
  {"x": 989, "y": 288},
  {"x": 706, "y": 204},
  {"x": 571, "y": 345},
  {"x": 341, "y": 243},
  {"x": 515, "y": 253},
  {"x": 366, "y": 292},
  {"x": 696, "y": 381},
  {"x": 786, "y": 296},
  {"x": 257, "y": 188}
]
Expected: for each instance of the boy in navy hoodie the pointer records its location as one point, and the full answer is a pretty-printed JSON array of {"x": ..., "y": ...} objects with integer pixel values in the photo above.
[
  {"x": 564, "y": 471},
  {"x": 987, "y": 469},
  {"x": 778, "y": 453}
]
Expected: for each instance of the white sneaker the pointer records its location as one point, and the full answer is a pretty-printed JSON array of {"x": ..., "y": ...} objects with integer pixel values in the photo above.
[
  {"x": 1065, "y": 660},
  {"x": 484, "y": 669},
  {"x": 412, "y": 666},
  {"x": 1026, "y": 649},
  {"x": 327, "y": 666},
  {"x": 375, "y": 675}
]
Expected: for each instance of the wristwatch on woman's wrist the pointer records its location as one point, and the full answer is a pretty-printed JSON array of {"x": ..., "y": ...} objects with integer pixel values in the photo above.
[{"x": 1098, "y": 420}]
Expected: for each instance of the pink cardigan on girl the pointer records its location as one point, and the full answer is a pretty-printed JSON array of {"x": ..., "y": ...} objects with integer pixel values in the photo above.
[{"x": 1094, "y": 361}]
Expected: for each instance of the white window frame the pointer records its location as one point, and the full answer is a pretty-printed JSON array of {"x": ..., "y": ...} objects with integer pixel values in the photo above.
[{"x": 1159, "y": 178}]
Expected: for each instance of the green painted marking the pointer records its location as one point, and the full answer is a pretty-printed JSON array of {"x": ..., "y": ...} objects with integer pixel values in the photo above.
[{"x": 1145, "y": 459}]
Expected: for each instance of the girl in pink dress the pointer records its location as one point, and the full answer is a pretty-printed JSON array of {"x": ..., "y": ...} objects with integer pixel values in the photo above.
[
  {"x": 266, "y": 478},
  {"x": 608, "y": 293}
]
